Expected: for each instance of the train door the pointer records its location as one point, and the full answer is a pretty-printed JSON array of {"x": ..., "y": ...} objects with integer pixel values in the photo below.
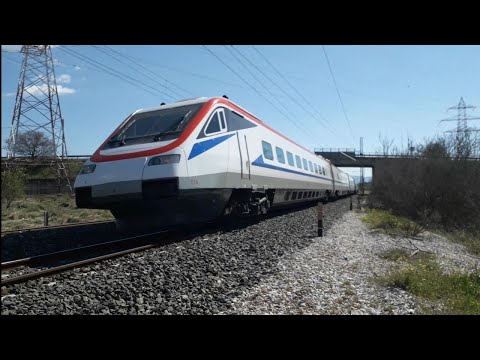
[
  {"x": 333, "y": 178},
  {"x": 244, "y": 156}
]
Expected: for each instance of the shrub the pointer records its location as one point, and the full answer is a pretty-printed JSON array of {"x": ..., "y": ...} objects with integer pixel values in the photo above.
[{"x": 13, "y": 183}]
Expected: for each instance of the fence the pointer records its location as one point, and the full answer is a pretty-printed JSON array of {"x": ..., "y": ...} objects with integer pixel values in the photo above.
[{"x": 44, "y": 186}]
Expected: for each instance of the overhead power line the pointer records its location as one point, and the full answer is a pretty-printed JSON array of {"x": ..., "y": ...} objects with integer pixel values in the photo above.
[
  {"x": 338, "y": 92},
  {"x": 115, "y": 73},
  {"x": 255, "y": 77},
  {"x": 16, "y": 62},
  {"x": 136, "y": 62},
  {"x": 289, "y": 83},
  {"x": 279, "y": 87},
  {"x": 253, "y": 88}
]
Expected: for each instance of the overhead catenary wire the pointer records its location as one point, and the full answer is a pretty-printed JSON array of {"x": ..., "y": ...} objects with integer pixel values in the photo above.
[
  {"x": 136, "y": 62},
  {"x": 261, "y": 83},
  {"x": 338, "y": 93},
  {"x": 289, "y": 83},
  {"x": 253, "y": 88},
  {"x": 115, "y": 73},
  {"x": 288, "y": 95}
]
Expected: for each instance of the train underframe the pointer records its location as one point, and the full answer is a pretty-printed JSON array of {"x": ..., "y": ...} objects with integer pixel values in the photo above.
[{"x": 150, "y": 209}]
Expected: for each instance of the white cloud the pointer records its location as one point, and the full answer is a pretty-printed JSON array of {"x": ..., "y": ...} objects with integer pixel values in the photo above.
[
  {"x": 11, "y": 48},
  {"x": 77, "y": 68},
  {"x": 42, "y": 90},
  {"x": 62, "y": 90},
  {"x": 64, "y": 79},
  {"x": 9, "y": 94}
]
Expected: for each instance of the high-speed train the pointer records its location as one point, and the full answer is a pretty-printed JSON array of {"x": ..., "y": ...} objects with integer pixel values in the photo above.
[{"x": 199, "y": 159}]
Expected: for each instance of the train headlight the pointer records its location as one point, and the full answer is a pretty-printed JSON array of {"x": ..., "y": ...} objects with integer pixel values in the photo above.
[
  {"x": 164, "y": 159},
  {"x": 88, "y": 169}
]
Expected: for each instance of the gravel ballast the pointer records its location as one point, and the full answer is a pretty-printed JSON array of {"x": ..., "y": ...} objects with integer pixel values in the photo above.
[{"x": 276, "y": 266}]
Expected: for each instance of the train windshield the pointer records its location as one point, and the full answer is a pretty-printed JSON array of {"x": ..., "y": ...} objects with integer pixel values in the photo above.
[{"x": 158, "y": 125}]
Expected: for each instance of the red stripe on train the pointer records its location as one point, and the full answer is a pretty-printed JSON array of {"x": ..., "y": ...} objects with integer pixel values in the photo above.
[{"x": 97, "y": 157}]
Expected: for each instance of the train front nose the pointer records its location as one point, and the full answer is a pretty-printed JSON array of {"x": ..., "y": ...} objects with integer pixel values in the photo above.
[
  {"x": 129, "y": 184},
  {"x": 100, "y": 185}
]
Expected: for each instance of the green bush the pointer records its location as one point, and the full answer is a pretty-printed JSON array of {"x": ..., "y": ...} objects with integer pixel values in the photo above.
[
  {"x": 13, "y": 183},
  {"x": 460, "y": 293}
]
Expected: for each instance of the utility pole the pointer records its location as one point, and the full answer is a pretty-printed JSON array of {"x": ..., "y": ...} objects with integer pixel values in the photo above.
[{"x": 37, "y": 108}]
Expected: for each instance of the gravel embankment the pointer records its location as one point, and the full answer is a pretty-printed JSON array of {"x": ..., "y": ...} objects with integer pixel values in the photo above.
[{"x": 275, "y": 266}]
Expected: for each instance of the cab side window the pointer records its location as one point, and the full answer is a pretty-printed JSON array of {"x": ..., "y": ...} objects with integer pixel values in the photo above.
[{"x": 217, "y": 123}]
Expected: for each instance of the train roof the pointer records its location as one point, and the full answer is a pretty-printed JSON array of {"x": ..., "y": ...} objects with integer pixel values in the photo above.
[
  {"x": 204, "y": 99},
  {"x": 190, "y": 101}
]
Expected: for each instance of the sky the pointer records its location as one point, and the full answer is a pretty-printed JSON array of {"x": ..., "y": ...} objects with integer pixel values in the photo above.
[{"x": 397, "y": 92}]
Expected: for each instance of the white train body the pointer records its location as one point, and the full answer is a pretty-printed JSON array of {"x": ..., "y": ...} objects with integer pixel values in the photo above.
[{"x": 218, "y": 159}]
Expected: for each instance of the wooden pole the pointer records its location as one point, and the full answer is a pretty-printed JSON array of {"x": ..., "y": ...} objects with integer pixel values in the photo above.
[
  {"x": 320, "y": 219},
  {"x": 45, "y": 218},
  {"x": 351, "y": 203}
]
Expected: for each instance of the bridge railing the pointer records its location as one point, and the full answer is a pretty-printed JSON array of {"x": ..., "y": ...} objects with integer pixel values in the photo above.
[{"x": 334, "y": 150}]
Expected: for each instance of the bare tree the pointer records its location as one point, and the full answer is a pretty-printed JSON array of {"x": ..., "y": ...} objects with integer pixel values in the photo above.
[
  {"x": 33, "y": 144},
  {"x": 386, "y": 144}
]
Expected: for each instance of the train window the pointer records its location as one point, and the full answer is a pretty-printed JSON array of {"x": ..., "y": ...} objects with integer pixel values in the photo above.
[
  {"x": 213, "y": 125},
  {"x": 305, "y": 164},
  {"x": 310, "y": 166},
  {"x": 287, "y": 195},
  {"x": 223, "y": 122},
  {"x": 267, "y": 150},
  {"x": 280, "y": 155},
  {"x": 217, "y": 123},
  {"x": 290, "y": 159},
  {"x": 305, "y": 193},
  {"x": 316, "y": 194},
  {"x": 324, "y": 172},
  {"x": 316, "y": 168},
  {"x": 299, "y": 162},
  {"x": 294, "y": 195},
  {"x": 151, "y": 126}
]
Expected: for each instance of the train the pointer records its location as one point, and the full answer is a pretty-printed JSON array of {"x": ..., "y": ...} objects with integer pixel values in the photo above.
[{"x": 199, "y": 159}]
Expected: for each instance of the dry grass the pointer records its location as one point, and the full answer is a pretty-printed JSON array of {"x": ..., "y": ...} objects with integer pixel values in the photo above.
[
  {"x": 460, "y": 293},
  {"x": 392, "y": 224},
  {"x": 28, "y": 212}
]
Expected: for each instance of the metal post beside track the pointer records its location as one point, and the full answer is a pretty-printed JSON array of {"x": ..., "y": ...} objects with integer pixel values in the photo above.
[
  {"x": 351, "y": 203},
  {"x": 320, "y": 219},
  {"x": 45, "y": 218}
]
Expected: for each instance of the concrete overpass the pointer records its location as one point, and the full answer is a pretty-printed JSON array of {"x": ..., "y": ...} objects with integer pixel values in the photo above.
[{"x": 352, "y": 158}]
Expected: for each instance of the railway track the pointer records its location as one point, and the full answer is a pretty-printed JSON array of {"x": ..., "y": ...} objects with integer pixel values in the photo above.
[
  {"x": 59, "y": 261},
  {"x": 74, "y": 259},
  {"x": 54, "y": 227}
]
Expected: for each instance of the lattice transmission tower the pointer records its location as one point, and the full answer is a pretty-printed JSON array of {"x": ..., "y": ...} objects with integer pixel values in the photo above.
[
  {"x": 463, "y": 133},
  {"x": 37, "y": 108}
]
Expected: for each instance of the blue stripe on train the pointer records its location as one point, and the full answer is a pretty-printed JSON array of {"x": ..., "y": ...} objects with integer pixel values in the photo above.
[
  {"x": 201, "y": 147},
  {"x": 259, "y": 162}
]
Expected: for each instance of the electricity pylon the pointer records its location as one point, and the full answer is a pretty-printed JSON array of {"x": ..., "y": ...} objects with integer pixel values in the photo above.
[{"x": 37, "y": 108}]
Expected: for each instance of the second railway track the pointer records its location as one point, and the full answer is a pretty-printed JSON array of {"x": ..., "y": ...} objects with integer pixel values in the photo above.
[{"x": 59, "y": 261}]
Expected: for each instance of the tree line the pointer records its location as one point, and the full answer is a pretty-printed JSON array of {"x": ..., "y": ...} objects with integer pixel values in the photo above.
[{"x": 440, "y": 187}]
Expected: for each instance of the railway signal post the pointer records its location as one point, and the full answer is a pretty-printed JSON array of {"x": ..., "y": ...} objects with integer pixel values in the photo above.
[{"x": 320, "y": 219}]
